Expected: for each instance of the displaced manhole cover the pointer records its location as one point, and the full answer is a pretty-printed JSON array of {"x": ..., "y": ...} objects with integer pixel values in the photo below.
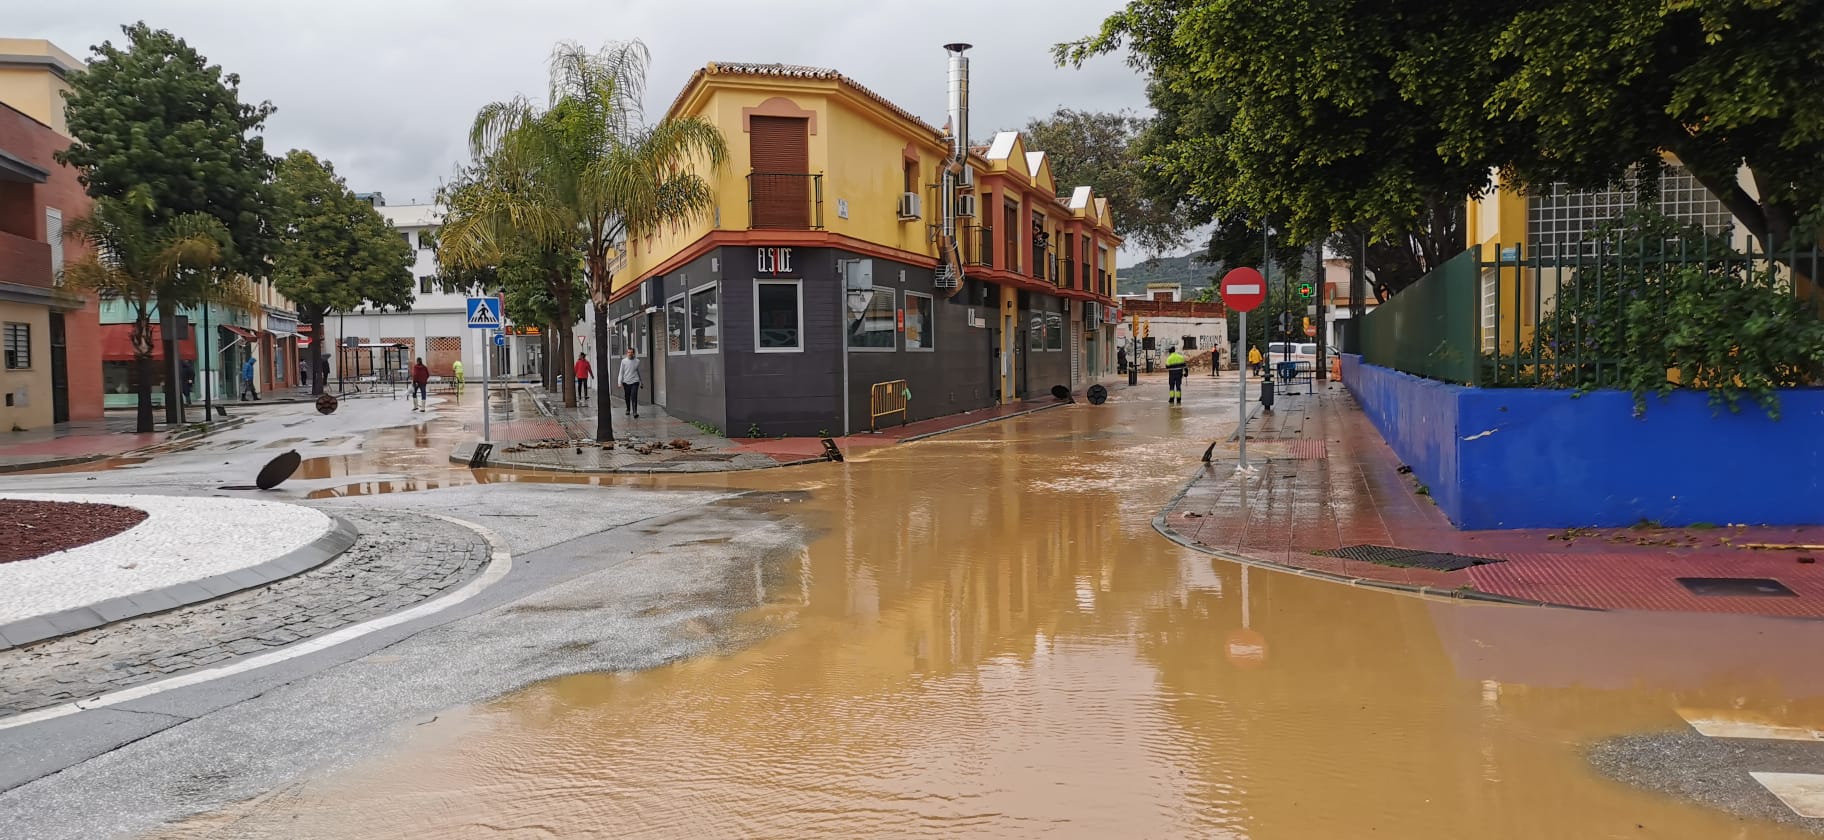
[
  {"x": 1405, "y": 558},
  {"x": 1737, "y": 587}
]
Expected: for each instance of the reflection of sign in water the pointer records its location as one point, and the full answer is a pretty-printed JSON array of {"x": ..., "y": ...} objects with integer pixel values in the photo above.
[{"x": 1247, "y": 648}]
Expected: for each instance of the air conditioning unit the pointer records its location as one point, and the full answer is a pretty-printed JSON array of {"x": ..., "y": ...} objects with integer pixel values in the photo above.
[
  {"x": 965, "y": 206},
  {"x": 910, "y": 205}
]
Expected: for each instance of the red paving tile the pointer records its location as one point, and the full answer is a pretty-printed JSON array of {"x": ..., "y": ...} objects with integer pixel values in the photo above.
[{"x": 1326, "y": 480}]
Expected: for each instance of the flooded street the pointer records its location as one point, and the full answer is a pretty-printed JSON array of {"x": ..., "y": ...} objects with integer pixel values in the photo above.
[{"x": 990, "y": 639}]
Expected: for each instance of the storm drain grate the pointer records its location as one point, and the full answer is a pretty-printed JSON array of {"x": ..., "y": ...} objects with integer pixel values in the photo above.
[
  {"x": 1369, "y": 553},
  {"x": 1737, "y": 587},
  {"x": 1405, "y": 558}
]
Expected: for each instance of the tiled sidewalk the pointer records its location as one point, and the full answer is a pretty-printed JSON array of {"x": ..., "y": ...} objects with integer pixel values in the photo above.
[
  {"x": 78, "y": 442},
  {"x": 1325, "y": 480}
]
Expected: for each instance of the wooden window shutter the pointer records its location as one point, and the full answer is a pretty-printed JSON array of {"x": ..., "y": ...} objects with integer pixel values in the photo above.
[{"x": 780, "y": 155}]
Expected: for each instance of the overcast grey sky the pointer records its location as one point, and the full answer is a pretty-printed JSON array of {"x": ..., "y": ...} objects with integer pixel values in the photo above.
[{"x": 386, "y": 88}]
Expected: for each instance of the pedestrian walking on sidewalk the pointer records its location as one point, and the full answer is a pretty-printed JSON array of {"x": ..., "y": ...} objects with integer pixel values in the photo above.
[
  {"x": 1254, "y": 360},
  {"x": 421, "y": 385},
  {"x": 1175, "y": 366},
  {"x": 1121, "y": 360},
  {"x": 582, "y": 377},
  {"x": 247, "y": 386},
  {"x": 629, "y": 377},
  {"x": 456, "y": 370},
  {"x": 187, "y": 375}
]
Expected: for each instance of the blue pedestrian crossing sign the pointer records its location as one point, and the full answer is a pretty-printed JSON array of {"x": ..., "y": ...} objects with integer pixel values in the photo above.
[
  {"x": 500, "y": 340},
  {"x": 484, "y": 313}
]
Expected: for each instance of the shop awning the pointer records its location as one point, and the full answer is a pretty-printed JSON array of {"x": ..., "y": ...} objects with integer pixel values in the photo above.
[
  {"x": 240, "y": 334},
  {"x": 117, "y": 344},
  {"x": 281, "y": 326}
]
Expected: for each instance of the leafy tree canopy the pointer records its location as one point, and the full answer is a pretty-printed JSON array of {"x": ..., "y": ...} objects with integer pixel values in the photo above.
[
  {"x": 160, "y": 129},
  {"x": 1589, "y": 90},
  {"x": 1294, "y": 110},
  {"x": 1102, "y": 150},
  {"x": 336, "y": 252},
  {"x": 1383, "y": 118}
]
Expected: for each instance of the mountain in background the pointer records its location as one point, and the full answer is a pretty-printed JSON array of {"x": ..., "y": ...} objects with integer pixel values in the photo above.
[{"x": 1189, "y": 270}]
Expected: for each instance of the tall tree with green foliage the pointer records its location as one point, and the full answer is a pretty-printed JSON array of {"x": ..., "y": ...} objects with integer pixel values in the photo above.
[
  {"x": 1383, "y": 118},
  {"x": 1298, "y": 110},
  {"x": 593, "y": 173},
  {"x": 1102, "y": 150},
  {"x": 1588, "y": 91},
  {"x": 335, "y": 252},
  {"x": 146, "y": 266},
  {"x": 165, "y": 134}
]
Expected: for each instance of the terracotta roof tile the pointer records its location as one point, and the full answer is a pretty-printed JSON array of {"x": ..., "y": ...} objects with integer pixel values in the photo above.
[{"x": 795, "y": 71}]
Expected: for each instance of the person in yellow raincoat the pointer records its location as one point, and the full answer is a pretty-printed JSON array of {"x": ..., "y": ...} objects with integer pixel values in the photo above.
[
  {"x": 1175, "y": 366},
  {"x": 1254, "y": 360}
]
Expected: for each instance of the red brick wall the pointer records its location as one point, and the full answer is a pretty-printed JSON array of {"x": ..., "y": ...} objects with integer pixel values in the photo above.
[
  {"x": 82, "y": 329},
  {"x": 1173, "y": 309}
]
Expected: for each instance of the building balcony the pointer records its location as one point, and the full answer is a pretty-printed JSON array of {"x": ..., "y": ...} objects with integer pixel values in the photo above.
[
  {"x": 25, "y": 261},
  {"x": 978, "y": 246},
  {"x": 784, "y": 201}
]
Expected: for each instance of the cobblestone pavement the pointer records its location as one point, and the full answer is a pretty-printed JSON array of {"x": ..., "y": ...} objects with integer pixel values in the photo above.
[{"x": 399, "y": 560}]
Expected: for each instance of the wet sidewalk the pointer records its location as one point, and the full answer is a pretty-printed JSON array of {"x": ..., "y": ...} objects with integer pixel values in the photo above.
[
  {"x": 112, "y": 436},
  {"x": 563, "y": 440},
  {"x": 1328, "y": 496}
]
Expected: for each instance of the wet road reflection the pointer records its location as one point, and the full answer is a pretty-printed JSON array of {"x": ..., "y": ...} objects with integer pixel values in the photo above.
[{"x": 991, "y": 640}]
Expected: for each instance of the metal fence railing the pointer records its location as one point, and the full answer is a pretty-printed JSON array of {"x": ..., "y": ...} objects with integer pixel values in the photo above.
[
  {"x": 785, "y": 200},
  {"x": 1580, "y": 313}
]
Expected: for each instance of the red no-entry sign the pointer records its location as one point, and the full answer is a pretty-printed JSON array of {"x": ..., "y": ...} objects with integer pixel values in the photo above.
[{"x": 1243, "y": 289}]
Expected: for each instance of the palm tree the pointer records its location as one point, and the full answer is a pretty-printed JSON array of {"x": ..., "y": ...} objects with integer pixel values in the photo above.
[
  {"x": 147, "y": 267},
  {"x": 602, "y": 176},
  {"x": 501, "y": 219}
]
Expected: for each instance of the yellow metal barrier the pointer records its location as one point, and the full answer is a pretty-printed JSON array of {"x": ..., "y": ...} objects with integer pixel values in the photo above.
[{"x": 888, "y": 398}]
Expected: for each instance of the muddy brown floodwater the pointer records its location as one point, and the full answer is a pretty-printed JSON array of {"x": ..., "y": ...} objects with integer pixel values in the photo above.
[{"x": 991, "y": 640}]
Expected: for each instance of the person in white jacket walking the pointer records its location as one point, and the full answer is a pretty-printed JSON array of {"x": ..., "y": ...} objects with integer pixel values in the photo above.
[{"x": 629, "y": 377}]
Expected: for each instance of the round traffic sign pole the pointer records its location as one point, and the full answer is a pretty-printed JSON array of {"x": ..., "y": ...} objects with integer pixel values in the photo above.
[{"x": 1242, "y": 290}]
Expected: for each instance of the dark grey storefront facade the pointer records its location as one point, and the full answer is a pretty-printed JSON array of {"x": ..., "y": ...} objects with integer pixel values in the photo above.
[{"x": 753, "y": 340}]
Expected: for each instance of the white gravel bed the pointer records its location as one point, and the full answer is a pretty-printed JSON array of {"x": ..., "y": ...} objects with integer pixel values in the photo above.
[{"x": 182, "y": 539}]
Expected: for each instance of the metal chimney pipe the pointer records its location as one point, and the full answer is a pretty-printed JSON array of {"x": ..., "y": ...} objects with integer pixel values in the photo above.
[{"x": 959, "y": 112}]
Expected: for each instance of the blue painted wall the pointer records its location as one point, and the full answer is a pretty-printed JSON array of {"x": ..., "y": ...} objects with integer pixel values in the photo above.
[{"x": 1526, "y": 458}]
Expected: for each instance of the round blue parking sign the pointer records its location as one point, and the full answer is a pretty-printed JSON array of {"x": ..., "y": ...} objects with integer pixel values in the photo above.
[{"x": 500, "y": 341}]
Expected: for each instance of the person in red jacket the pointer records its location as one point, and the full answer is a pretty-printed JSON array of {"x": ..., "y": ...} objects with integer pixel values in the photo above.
[
  {"x": 582, "y": 377},
  {"x": 421, "y": 383}
]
